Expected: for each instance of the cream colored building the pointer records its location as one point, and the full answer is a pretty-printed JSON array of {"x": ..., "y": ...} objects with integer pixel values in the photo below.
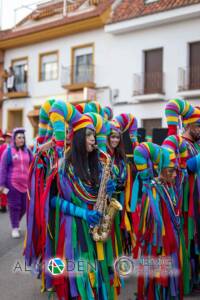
[{"x": 103, "y": 50}]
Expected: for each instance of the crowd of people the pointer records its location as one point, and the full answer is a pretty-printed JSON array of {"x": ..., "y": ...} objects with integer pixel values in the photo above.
[{"x": 88, "y": 200}]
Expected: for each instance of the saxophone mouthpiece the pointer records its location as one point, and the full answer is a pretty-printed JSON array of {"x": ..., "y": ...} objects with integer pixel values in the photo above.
[{"x": 95, "y": 146}]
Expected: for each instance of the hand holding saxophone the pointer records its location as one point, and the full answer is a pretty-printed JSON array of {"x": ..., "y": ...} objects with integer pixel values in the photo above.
[{"x": 111, "y": 187}]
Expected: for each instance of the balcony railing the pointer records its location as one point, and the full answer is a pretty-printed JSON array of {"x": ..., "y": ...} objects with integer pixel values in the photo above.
[
  {"x": 189, "y": 78},
  {"x": 19, "y": 90},
  {"x": 148, "y": 83},
  {"x": 78, "y": 76}
]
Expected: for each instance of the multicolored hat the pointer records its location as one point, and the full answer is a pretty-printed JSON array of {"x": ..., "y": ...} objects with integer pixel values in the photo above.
[
  {"x": 179, "y": 147},
  {"x": 45, "y": 126},
  {"x": 101, "y": 133},
  {"x": 149, "y": 156},
  {"x": 176, "y": 108},
  {"x": 113, "y": 126},
  {"x": 129, "y": 122},
  {"x": 92, "y": 106},
  {"x": 62, "y": 112},
  {"x": 108, "y": 113}
]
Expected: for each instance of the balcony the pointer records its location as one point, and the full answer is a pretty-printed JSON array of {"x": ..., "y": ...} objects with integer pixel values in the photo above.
[
  {"x": 189, "y": 82},
  {"x": 77, "y": 77},
  {"x": 20, "y": 90},
  {"x": 148, "y": 86}
]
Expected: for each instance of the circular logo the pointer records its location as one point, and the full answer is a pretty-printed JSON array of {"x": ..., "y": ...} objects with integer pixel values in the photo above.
[
  {"x": 56, "y": 266},
  {"x": 124, "y": 266}
]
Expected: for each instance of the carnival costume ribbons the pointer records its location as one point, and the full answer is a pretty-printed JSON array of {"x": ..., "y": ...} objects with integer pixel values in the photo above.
[{"x": 158, "y": 233}]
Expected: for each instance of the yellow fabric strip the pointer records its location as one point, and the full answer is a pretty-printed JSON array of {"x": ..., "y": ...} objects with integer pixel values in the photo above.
[{"x": 100, "y": 251}]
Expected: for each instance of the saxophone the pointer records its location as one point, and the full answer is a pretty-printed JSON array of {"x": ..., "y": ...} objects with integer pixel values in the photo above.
[{"x": 108, "y": 207}]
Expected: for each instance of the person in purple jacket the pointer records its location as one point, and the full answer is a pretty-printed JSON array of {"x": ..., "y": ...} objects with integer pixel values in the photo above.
[{"x": 14, "y": 173}]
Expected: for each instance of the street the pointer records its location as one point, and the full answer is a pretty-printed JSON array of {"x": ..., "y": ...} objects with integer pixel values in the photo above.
[{"x": 17, "y": 282}]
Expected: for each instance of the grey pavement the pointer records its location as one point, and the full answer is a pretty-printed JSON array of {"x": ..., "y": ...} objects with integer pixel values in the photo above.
[{"x": 21, "y": 285}]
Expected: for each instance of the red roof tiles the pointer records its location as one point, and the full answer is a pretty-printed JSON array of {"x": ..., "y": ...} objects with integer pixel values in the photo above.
[
  {"x": 129, "y": 9},
  {"x": 99, "y": 9}
]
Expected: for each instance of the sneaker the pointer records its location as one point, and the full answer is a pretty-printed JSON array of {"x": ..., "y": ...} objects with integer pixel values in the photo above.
[{"x": 15, "y": 233}]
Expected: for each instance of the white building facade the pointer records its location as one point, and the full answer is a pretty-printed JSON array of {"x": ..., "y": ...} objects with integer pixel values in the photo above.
[{"x": 114, "y": 62}]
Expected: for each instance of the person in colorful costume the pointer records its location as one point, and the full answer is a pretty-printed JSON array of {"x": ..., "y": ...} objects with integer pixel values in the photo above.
[
  {"x": 122, "y": 174},
  {"x": 158, "y": 235},
  {"x": 67, "y": 207},
  {"x": 115, "y": 149},
  {"x": 14, "y": 173},
  {"x": 180, "y": 112}
]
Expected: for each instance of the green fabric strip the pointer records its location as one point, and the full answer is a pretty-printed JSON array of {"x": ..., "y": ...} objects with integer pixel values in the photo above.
[
  {"x": 109, "y": 253},
  {"x": 74, "y": 234},
  {"x": 106, "y": 278},
  {"x": 185, "y": 196},
  {"x": 118, "y": 233},
  {"x": 186, "y": 266}
]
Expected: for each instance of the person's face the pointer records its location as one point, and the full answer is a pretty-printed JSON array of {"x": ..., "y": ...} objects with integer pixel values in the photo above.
[
  {"x": 114, "y": 140},
  {"x": 194, "y": 131},
  {"x": 90, "y": 139},
  {"x": 19, "y": 140},
  {"x": 168, "y": 175}
]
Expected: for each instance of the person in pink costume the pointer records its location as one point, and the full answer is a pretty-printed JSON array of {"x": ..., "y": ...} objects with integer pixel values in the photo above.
[{"x": 14, "y": 173}]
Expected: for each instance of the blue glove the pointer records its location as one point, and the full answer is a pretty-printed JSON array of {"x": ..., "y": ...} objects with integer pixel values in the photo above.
[
  {"x": 111, "y": 187},
  {"x": 193, "y": 163},
  {"x": 93, "y": 217}
]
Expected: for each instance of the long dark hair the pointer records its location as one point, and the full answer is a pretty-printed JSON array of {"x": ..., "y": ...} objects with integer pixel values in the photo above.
[{"x": 85, "y": 163}]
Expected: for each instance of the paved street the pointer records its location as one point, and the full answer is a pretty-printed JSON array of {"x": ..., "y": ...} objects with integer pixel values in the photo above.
[{"x": 22, "y": 285}]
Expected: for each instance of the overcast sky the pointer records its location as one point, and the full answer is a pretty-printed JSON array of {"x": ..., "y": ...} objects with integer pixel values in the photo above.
[{"x": 7, "y": 7}]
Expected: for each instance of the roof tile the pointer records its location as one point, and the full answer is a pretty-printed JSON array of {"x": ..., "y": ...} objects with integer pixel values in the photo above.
[{"x": 129, "y": 9}]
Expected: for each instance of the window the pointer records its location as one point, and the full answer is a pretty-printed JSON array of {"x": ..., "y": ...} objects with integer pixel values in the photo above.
[
  {"x": 82, "y": 64},
  {"x": 48, "y": 66},
  {"x": 194, "y": 66},
  {"x": 15, "y": 119},
  {"x": 20, "y": 68},
  {"x": 153, "y": 75},
  {"x": 149, "y": 124}
]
